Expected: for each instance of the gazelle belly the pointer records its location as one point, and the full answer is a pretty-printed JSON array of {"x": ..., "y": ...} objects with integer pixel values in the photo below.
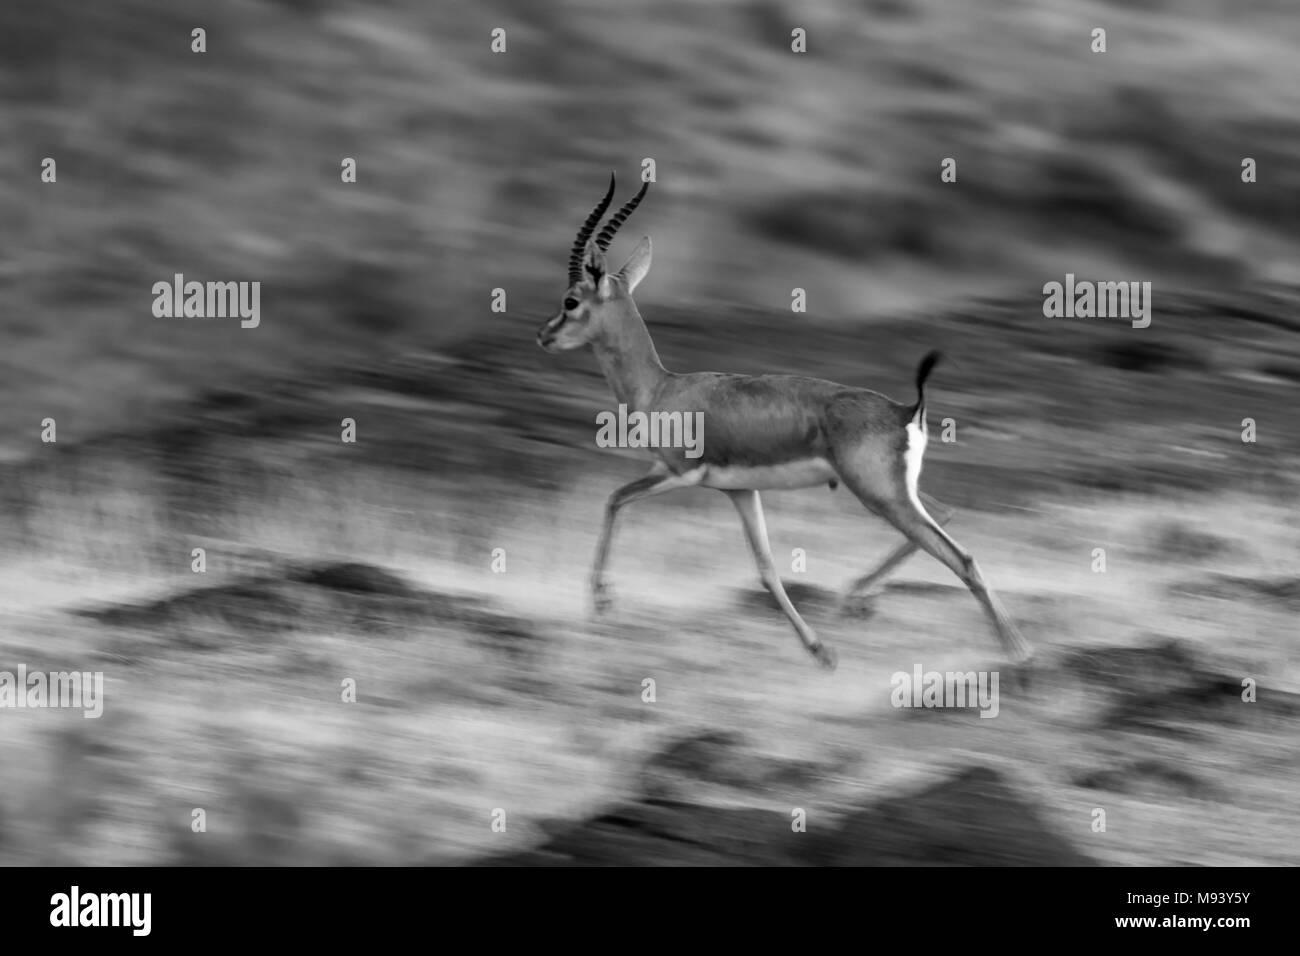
[{"x": 802, "y": 473}]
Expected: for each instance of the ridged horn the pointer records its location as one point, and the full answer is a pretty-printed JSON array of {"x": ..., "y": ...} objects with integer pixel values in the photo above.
[
  {"x": 616, "y": 221},
  {"x": 580, "y": 244}
]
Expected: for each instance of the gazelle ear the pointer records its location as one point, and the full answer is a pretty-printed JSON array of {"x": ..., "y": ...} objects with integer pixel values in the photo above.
[
  {"x": 593, "y": 262},
  {"x": 637, "y": 265}
]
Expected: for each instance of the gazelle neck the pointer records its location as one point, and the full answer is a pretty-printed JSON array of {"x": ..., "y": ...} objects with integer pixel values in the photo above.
[{"x": 627, "y": 357}]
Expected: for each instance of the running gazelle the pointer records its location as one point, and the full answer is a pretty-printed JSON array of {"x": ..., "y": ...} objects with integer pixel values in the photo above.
[{"x": 761, "y": 431}]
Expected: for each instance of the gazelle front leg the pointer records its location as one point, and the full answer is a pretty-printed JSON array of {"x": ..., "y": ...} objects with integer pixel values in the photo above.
[
  {"x": 656, "y": 483},
  {"x": 941, "y": 514},
  {"x": 750, "y": 508}
]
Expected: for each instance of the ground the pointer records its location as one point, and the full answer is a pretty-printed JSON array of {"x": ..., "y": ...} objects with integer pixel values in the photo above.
[{"x": 480, "y": 691}]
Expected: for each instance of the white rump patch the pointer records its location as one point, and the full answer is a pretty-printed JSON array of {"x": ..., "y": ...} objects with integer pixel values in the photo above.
[{"x": 912, "y": 455}]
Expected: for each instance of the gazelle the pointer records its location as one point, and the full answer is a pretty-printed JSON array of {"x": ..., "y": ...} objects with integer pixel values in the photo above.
[{"x": 762, "y": 431}]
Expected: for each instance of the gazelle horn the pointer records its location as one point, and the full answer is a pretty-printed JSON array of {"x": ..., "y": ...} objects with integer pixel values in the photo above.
[
  {"x": 616, "y": 221},
  {"x": 580, "y": 244}
]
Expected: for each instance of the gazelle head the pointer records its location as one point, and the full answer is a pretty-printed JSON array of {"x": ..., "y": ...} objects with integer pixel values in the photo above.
[{"x": 597, "y": 301}]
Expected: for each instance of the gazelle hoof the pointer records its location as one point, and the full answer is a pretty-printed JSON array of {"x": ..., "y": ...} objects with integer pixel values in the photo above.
[
  {"x": 856, "y": 605},
  {"x": 602, "y": 598},
  {"x": 1020, "y": 650},
  {"x": 826, "y": 656}
]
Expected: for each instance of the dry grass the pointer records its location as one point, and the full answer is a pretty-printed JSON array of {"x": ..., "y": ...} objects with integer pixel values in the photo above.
[{"x": 230, "y": 699}]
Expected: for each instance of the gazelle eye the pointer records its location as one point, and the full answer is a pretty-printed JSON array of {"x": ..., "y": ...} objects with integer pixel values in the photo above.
[{"x": 570, "y": 304}]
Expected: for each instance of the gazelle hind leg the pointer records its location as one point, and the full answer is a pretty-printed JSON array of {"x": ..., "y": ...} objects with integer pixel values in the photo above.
[
  {"x": 941, "y": 514},
  {"x": 750, "y": 508},
  {"x": 911, "y": 519},
  {"x": 887, "y": 486}
]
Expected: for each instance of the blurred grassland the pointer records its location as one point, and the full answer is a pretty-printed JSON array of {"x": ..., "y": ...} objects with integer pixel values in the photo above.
[{"x": 479, "y": 690}]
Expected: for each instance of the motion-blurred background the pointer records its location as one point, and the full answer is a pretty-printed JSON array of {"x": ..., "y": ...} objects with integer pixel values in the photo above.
[{"x": 373, "y": 561}]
